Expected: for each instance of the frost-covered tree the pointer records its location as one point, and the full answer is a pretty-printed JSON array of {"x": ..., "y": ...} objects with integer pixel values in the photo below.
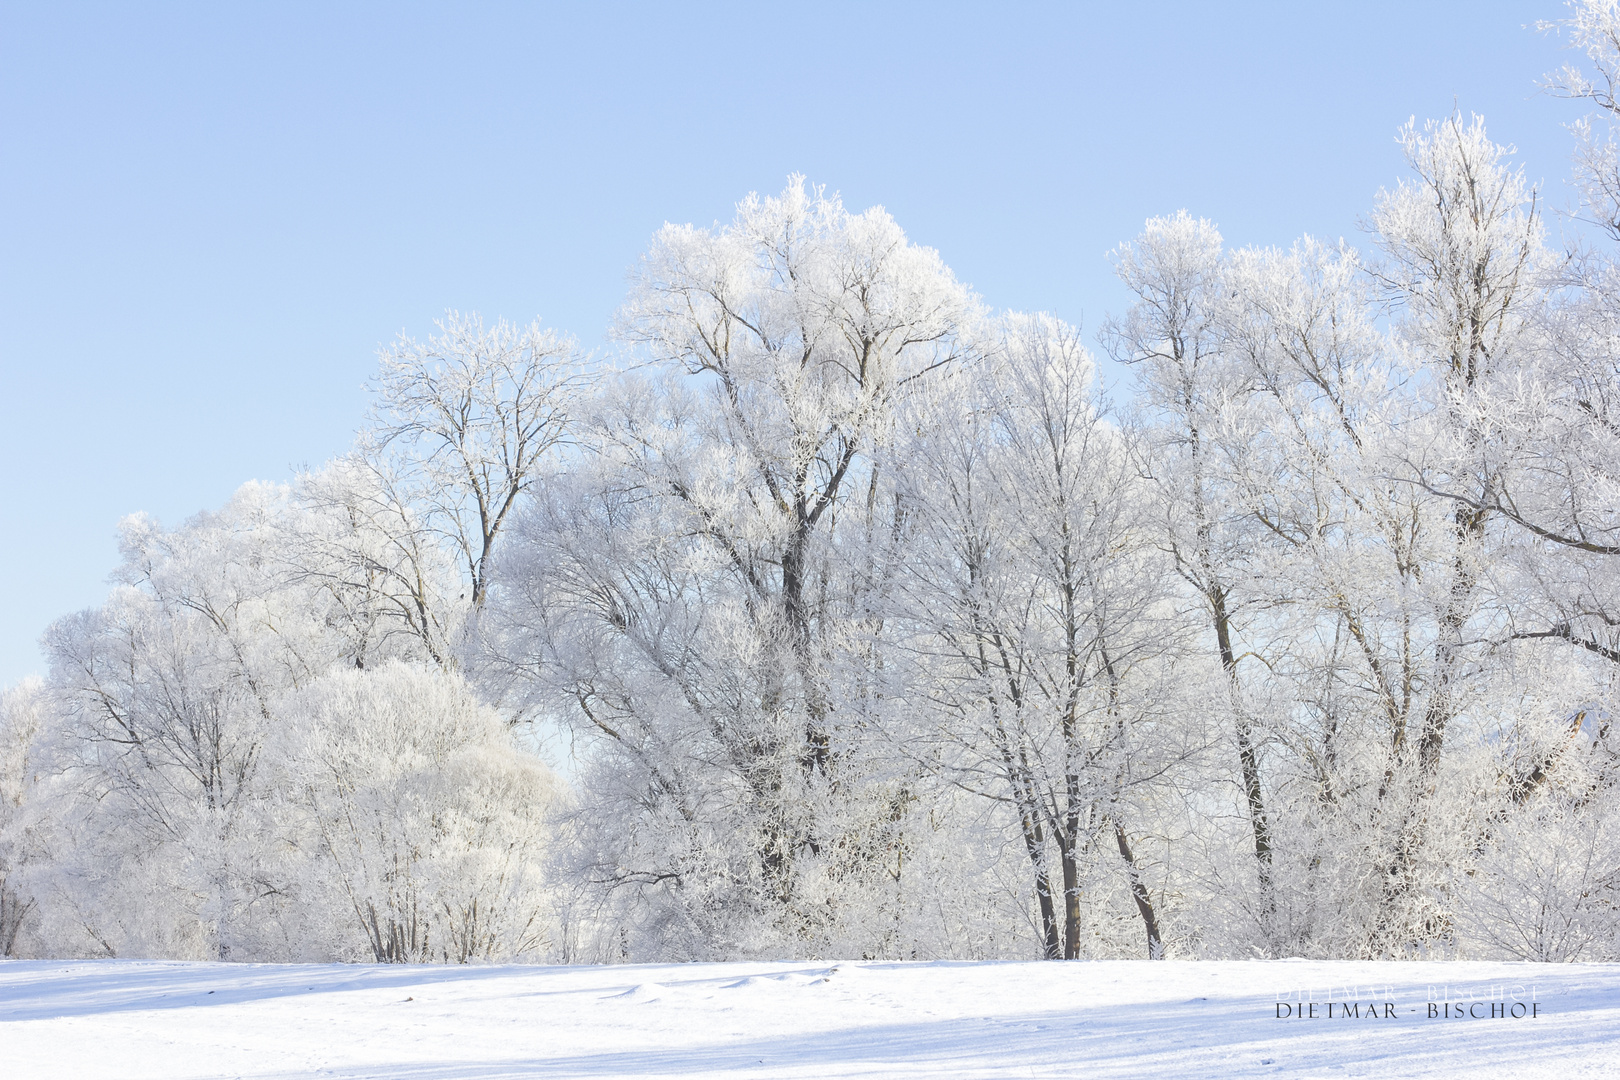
[
  {"x": 1173, "y": 334},
  {"x": 872, "y": 632},
  {"x": 201, "y": 732},
  {"x": 1555, "y": 474},
  {"x": 1042, "y": 607},
  {"x": 698, "y": 594},
  {"x": 1593, "y": 27},
  {"x": 472, "y": 413},
  {"x": 1462, "y": 251},
  {"x": 383, "y": 584},
  {"x": 20, "y": 716},
  {"x": 165, "y": 704},
  {"x": 426, "y": 824}
]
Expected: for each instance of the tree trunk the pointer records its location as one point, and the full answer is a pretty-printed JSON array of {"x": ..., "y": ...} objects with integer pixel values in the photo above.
[
  {"x": 1399, "y": 923},
  {"x": 1247, "y": 761},
  {"x": 1035, "y": 845},
  {"x": 1071, "y": 898},
  {"x": 1139, "y": 893},
  {"x": 817, "y": 743}
]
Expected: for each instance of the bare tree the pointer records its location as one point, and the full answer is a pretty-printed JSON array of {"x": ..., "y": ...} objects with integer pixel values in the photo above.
[
  {"x": 1172, "y": 331},
  {"x": 1040, "y": 595},
  {"x": 474, "y": 412},
  {"x": 380, "y": 575}
]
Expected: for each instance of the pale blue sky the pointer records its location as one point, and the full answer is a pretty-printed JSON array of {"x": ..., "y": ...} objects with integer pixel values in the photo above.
[{"x": 211, "y": 215}]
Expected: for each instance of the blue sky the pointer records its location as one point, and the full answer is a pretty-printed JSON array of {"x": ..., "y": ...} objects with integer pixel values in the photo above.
[{"x": 213, "y": 214}]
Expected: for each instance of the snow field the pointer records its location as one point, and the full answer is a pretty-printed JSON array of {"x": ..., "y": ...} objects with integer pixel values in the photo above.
[{"x": 159, "y": 1019}]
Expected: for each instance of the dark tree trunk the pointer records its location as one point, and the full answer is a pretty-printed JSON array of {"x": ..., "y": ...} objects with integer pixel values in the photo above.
[
  {"x": 1139, "y": 893},
  {"x": 1248, "y": 762}
]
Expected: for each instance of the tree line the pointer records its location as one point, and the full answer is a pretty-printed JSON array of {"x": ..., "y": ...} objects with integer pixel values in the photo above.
[{"x": 873, "y": 627}]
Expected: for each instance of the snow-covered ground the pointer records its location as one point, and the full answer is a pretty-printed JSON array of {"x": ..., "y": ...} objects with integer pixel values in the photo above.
[{"x": 132, "y": 1019}]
